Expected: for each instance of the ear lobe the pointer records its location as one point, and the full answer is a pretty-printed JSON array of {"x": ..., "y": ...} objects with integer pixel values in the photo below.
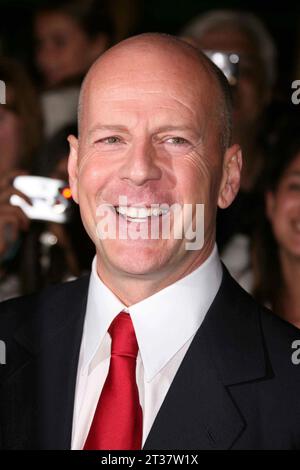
[
  {"x": 231, "y": 177},
  {"x": 72, "y": 166}
]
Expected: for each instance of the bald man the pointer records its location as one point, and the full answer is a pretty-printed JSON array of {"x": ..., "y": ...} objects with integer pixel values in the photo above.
[{"x": 158, "y": 348}]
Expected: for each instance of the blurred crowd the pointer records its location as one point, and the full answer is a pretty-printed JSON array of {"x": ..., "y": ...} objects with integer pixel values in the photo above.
[{"x": 258, "y": 236}]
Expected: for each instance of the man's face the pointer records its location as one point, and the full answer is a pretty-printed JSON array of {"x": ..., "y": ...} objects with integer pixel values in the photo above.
[{"x": 149, "y": 133}]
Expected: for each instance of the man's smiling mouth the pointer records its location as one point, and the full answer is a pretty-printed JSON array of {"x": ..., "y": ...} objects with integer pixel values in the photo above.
[{"x": 141, "y": 214}]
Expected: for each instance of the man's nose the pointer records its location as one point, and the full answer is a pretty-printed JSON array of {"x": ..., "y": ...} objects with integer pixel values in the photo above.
[{"x": 141, "y": 165}]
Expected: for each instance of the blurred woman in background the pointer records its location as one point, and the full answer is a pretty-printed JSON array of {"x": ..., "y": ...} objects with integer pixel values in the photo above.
[
  {"x": 33, "y": 253},
  {"x": 20, "y": 140},
  {"x": 69, "y": 36},
  {"x": 20, "y": 119},
  {"x": 276, "y": 253}
]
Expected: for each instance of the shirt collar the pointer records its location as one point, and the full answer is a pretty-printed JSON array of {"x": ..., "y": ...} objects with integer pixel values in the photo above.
[{"x": 163, "y": 322}]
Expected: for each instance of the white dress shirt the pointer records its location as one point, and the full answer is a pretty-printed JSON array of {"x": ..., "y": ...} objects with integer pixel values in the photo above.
[{"x": 165, "y": 325}]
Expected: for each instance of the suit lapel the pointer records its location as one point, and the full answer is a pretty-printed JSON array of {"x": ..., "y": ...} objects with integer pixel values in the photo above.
[{"x": 198, "y": 412}]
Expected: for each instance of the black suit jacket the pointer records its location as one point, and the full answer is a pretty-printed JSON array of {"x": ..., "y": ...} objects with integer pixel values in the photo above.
[{"x": 236, "y": 387}]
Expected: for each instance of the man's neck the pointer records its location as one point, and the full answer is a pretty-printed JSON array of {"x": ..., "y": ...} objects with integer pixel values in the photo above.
[{"x": 132, "y": 288}]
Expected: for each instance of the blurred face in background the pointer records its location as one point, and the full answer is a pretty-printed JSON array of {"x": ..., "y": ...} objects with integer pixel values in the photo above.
[
  {"x": 63, "y": 49},
  {"x": 11, "y": 136},
  {"x": 251, "y": 93},
  {"x": 61, "y": 169},
  {"x": 283, "y": 210}
]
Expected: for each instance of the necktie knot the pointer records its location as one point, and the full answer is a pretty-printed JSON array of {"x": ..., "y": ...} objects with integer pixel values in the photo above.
[{"x": 124, "y": 342}]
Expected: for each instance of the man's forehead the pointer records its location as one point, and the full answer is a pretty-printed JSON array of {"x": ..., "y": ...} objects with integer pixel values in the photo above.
[
  {"x": 131, "y": 82},
  {"x": 144, "y": 85}
]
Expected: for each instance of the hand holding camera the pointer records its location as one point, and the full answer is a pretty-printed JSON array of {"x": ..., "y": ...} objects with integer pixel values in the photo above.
[{"x": 24, "y": 198}]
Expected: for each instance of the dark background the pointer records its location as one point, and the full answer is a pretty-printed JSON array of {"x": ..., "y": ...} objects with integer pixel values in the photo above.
[{"x": 281, "y": 18}]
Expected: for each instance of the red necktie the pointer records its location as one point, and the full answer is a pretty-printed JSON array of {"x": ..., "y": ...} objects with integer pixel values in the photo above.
[{"x": 118, "y": 419}]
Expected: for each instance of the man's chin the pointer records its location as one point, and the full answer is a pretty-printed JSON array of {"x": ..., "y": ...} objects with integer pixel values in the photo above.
[{"x": 137, "y": 259}]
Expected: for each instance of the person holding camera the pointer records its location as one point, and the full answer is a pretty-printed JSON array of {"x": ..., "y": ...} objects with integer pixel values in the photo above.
[
  {"x": 20, "y": 140},
  {"x": 32, "y": 253}
]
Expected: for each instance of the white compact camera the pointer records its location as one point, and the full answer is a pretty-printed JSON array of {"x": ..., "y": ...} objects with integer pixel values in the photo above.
[{"x": 51, "y": 198}]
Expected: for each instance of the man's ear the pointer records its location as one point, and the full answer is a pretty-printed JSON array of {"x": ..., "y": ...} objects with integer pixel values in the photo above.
[
  {"x": 231, "y": 176},
  {"x": 73, "y": 167}
]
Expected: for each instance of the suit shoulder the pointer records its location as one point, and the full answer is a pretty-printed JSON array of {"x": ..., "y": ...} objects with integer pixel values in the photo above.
[
  {"x": 279, "y": 335},
  {"x": 14, "y": 312}
]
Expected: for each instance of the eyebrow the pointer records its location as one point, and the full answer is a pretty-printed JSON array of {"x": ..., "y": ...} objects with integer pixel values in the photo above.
[{"x": 108, "y": 127}]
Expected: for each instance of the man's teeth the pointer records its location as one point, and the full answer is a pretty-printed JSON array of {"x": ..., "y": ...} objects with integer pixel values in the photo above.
[{"x": 140, "y": 212}]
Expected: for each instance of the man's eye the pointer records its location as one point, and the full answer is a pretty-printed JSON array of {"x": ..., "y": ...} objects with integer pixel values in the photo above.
[
  {"x": 177, "y": 141},
  {"x": 110, "y": 140}
]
